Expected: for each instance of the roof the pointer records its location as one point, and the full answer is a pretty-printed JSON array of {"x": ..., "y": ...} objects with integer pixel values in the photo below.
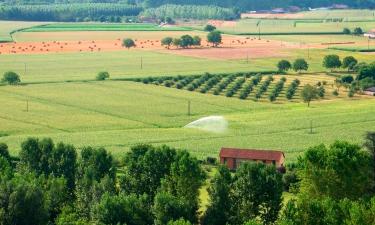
[
  {"x": 251, "y": 154},
  {"x": 371, "y": 89}
]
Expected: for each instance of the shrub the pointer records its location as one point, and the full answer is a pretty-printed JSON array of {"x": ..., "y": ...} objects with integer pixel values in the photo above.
[
  {"x": 11, "y": 78},
  {"x": 292, "y": 89},
  {"x": 128, "y": 43},
  {"x": 321, "y": 92},
  {"x": 102, "y": 75},
  {"x": 346, "y": 31},
  {"x": 358, "y": 31},
  {"x": 209, "y": 28},
  {"x": 335, "y": 93}
]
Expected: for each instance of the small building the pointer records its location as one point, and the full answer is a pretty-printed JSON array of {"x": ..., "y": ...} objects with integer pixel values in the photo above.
[
  {"x": 233, "y": 157},
  {"x": 370, "y": 91},
  {"x": 370, "y": 34}
]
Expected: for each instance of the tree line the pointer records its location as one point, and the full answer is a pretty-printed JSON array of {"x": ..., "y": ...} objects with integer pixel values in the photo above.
[
  {"x": 54, "y": 184},
  {"x": 69, "y": 12}
]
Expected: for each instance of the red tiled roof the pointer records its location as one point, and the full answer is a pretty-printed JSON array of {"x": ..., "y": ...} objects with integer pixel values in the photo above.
[{"x": 251, "y": 154}]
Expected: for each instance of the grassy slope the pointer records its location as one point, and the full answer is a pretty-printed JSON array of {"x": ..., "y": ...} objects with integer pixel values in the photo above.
[{"x": 105, "y": 114}]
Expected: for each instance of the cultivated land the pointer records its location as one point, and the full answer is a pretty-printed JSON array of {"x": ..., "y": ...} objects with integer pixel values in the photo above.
[
  {"x": 8, "y": 26},
  {"x": 66, "y": 104}
]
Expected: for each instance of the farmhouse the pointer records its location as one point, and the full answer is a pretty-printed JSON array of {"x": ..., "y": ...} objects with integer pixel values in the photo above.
[
  {"x": 370, "y": 91},
  {"x": 233, "y": 157},
  {"x": 370, "y": 34}
]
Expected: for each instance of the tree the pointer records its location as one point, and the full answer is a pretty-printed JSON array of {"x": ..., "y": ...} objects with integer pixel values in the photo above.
[
  {"x": 186, "y": 41},
  {"x": 308, "y": 94},
  {"x": 123, "y": 209},
  {"x": 102, "y": 75},
  {"x": 358, "y": 31},
  {"x": 321, "y": 91},
  {"x": 176, "y": 42},
  {"x": 257, "y": 193},
  {"x": 197, "y": 41},
  {"x": 342, "y": 170},
  {"x": 184, "y": 181},
  {"x": 4, "y": 152},
  {"x": 366, "y": 71},
  {"x": 331, "y": 62},
  {"x": 214, "y": 37},
  {"x": 370, "y": 146},
  {"x": 22, "y": 201},
  {"x": 209, "y": 28},
  {"x": 218, "y": 212},
  {"x": 145, "y": 167},
  {"x": 167, "y": 41},
  {"x": 347, "y": 79},
  {"x": 128, "y": 43},
  {"x": 349, "y": 63},
  {"x": 168, "y": 208},
  {"x": 299, "y": 65},
  {"x": 11, "y": 78},
  {"x": 283, "y": 65},
  {"x": 346, "y": 31}
]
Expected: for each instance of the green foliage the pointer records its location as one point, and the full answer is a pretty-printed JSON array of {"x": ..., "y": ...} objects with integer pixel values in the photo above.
[
  {"x": 186, "y": 41},
  {"x": 209, "y": 28},
  {"x": 257, "y": 193},
  {"x": 184, "y": 181},
  {"x": 128, "y": 43},
  {"x": 197, "y": 41},
  {"x": 43, "y": 157},
  {"x": 283, "y": 65},
  {"x": 123, "y": 209},
  {"x": 67, "y": 12},
  {"x": 167, "y": 41},
  {"x": 292, "y": 89},
  {"x": 179, "y": 222},
  {"x": 11, "y": 78},
  {"x": 4, "y": 152},
  {"x": 366, "y": 71},
  {"x": 331, "y": 61},
  {"x": 348, "y": 79},
  {"x": 357, "y": 31},
  {"x": 190, "y": 11},
  {"x": 22, "y": 201},
  {"x": 145, "y": 166},
  {"x": 219, "y": 210},
  {"x": 309, "y": 93},
  {"x": 102, "y": 75},
  {"x": 348, "y": 164},
  {"x": 346, "y": 31},
  {"x": 349, "y": 62},
  {"x": 300, "y": 64},
  {"x": 214, "y": 37},
  {"x": 321, "y": 91},
  {"x": 168, "y": 208}
]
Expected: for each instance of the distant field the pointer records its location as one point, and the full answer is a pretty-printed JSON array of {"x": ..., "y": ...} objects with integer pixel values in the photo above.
[
  {"x": 102, "y": 27},
  {"x": 105, "y": 114},
  {"x": 8, "y": 26},
  {"x": 275, "y": 26}
]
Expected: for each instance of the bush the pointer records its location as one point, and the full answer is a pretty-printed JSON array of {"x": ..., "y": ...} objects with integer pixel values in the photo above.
[
  {"x": 346, "y": 31},
  {"x": 102, "y": 75},
  {"x": 284, "y": 65},
  {"x": 335, "y": 93},
  {"x": 128, "y": 43},
  {"x": 358, "y": 31},
  {"x": 209, "y": 28},
  {"x": 11, "y": 78}
]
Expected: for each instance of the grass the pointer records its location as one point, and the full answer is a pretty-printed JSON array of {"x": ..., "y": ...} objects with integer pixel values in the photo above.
[
  {"x": 6, "y": 27},
  {"x": 102, "y": 27},
  {"x": 120, "y": 64},
  {"x": 105, "y": 114}
]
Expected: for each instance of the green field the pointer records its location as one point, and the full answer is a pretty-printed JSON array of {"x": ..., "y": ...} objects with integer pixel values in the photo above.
[
  {"x": 105, "y": 114},
  {"x": 282, "y": 26},
  {"x": 102, "y": 27},
  {"x": 6, "y": 27},
  {"x": 348, "y": 15}
]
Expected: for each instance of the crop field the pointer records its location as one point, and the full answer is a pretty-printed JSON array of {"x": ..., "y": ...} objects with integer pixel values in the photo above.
[
  {"x": 61, "y": 100},
  {"x": 105, "y": 114}
]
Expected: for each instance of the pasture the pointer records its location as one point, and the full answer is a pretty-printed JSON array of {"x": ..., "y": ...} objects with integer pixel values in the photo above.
[
  {"x": 105, "y": 114},
  {"x": 6, "y": 27}
]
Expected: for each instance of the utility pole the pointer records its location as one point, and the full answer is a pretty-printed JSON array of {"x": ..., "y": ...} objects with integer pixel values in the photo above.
[
  {"x": 259, "y": 32},
  {"x": 27, "y": 105},
  {"x": 311, "y": 126},
  {"x": 141, "y": 63},
  {"x": 189, "y": 108},
  {"x": 247, "y": 57},
  {"x": 25, "y": 70}
]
